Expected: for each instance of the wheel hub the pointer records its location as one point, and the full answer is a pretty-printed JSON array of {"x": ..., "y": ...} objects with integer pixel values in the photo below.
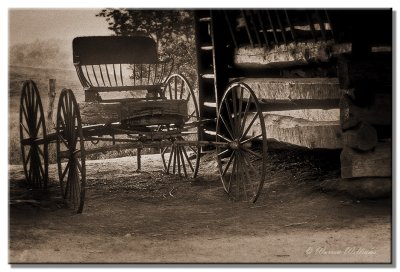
[{"x": 235, "y": 144}]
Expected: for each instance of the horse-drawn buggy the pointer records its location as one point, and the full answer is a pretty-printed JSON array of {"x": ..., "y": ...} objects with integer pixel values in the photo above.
[{"x": 132, "y": 101}]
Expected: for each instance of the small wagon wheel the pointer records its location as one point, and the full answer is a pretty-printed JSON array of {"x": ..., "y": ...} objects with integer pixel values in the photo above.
[
  {"x": 70, "y": 151},
  {"x": 183, "y": 155},
  {"x": 32, "y": 128},
  {"x": 242, "y": 162}
]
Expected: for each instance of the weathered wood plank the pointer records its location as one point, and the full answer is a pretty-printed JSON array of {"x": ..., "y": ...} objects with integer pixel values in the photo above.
[
  {"x": 311, "y": 114},
  {"x": 363, "y": 137},
  {"x": 149, "y": 112},
  {"x": 300, "y": 132},
  {"x": 100, "y": 113},
  {"x": 375, "y": 163},
  {"x": 153, "y": 107},
  {"x": 379, "y": 113},
  {"x": 292, "y": 89},
  {"x": 301, "y": 53},
  {"x": 284, "y": 105}
]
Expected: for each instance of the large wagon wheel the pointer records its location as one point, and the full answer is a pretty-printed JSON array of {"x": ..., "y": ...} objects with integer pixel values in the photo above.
[
  {"x": 70, "y": 151},
  {"x": 32, "y": 128},
  {"x": 242, "y": 163},
  {"x": 182, "y": 159}
]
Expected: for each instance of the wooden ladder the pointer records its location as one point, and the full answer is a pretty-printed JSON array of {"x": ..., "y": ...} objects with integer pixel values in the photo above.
[{"x": 212, "y": 66}]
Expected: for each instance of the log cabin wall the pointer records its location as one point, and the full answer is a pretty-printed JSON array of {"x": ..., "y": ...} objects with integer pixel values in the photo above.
[{"x": 323, "y": 77}]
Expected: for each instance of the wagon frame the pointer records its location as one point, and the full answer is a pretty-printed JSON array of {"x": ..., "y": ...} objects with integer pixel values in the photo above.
[{"x": 164, "y": 116}]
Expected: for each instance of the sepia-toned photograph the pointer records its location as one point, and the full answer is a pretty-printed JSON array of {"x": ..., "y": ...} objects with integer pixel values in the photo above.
[{"x": 200, "y": 136}]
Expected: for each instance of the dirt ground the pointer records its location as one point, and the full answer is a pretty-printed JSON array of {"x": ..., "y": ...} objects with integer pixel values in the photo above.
[{"x": 132, "y": 217}]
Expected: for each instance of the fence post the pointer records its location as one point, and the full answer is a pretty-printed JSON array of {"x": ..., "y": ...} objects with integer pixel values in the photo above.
[{"x": 52, "y": 95}]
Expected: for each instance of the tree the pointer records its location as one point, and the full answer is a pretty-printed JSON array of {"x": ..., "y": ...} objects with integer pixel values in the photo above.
[{"x": 172, "y": 30}]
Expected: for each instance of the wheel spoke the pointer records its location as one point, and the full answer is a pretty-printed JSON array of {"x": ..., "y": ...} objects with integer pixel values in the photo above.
[
  {"x": 229, "y": 115},
  {"x": 79, "y": 165},
  {"x": 228, "y": 164},
  {"x": 235, "y": 122},
  {"x": 67, "y": 185},
  {"x": 170, "y": 158},
  {"x": 227, "y": 127},
  {"x": 183, "y": 162},
  {"x": 246, "y": 172},
  {"x": 249, "y": 126},
  {"x": 38, "y": 126},
  {"x": 24, "y": 112},
  {"x": 232, "y": 173},
  {"x": 236, "y": 175},
  {"x": 174, "y": 161},
  {"x": 246, "y": 110},
  {"x": 187, "y": 158},
  {"x": 251, "y": 139},
  {"x": 63, "y": 140},
  {"x": 65, "y": 170},
  {"x": 192, "y": 114},
  {"x": 250, "y": 164},
  {"x": 178, "y": 159},
  {"x": 252, "y": 152},
  {"x": 24, "y": 127},
  {"x": 223, "y": 137},
  {"x": 40, "y": 152},
  {"x": 28, "y": 157},
  {"x": 223, "y": 152},
  {"x": 241, "y": 170},
  {"x": 41, "y": 167}
]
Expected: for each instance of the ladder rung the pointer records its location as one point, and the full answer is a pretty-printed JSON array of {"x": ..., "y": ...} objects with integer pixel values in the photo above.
[
  {"x": 205, "y": 19},
  {"x": 207, "y": 47},
  {"x": 208, "y": 76},
  {"x": 210, "y": 104}
]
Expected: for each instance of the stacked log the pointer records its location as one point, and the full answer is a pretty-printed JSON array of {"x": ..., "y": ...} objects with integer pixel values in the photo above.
[
  {"x": 300, "y": 112},
  {"x": 366, "y": 117}
]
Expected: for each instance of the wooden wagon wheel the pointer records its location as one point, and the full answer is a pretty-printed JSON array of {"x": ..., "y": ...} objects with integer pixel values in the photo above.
[
  {"x": 32, "y": 128},
  {"x": 182, "y": 159},
  {"x": 242, "y": 164},
  {"x": 70, "y": 151}
]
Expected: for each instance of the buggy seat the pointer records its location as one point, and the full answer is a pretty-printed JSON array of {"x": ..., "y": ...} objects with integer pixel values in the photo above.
[{"x": 128, "y": 67}]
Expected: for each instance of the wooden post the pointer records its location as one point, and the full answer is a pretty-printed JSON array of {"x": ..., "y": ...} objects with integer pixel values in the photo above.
[
  {"x": 363, "y": 137},
  {"x": 380, "y": 113},
  {"x": 52, "y": 97},
  {"x": 375, "y": 163}
]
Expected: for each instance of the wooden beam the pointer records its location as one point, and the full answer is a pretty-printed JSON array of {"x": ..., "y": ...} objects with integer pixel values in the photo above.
[
  {"x": 294, "y": 88},
  {"x": 100, "y": 113},
  {"x": 139, "y": 112},
  {"x": 375, "y": 163},
  {"x": 363, "y": 137},
  {"x": 379, "y": 113},
  {"x": 371, "y": 69},
  {"x": 283, "y": 56},
  {"x": 300, "y": 132},
  {"x": 311, "y": 114},
  {"x": 285, "y": 105}
]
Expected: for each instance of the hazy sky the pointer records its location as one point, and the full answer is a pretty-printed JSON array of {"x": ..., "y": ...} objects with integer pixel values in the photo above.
[{"x": 27, "y": 25}]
